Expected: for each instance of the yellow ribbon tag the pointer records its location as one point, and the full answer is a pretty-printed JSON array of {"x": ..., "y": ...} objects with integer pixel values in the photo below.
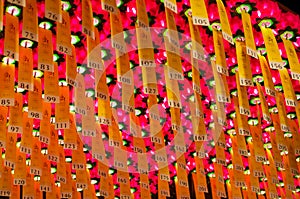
[
  {"x": 268, "y": 83},
  {"x": 273, "y": 52},
  {"x": 292, "y": 58},
  {"x": 226, "y": 30},
  {"x": 289, "y": 93},
  {"x": 199, "y": 13},
  {"x": 220, "y": 53},
  {"x": 244, "y": 67},
  {"x": 249, "y": 38}
]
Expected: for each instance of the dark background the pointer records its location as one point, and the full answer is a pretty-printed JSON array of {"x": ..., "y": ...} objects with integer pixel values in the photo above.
[{"x": 293, "y": 5}]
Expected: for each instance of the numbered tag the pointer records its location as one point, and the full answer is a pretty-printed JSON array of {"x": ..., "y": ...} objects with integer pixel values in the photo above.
[
  {"x": 164, "y": 177},
  {"x": 252, "y": 53},
  {"x": 5, "y": 193},
  {"x": 200, "y": 137},
  {"x": 174, "y": 104},
  {"x": 109, "y": 6},
  {"x": 15, "y": 129},
  {"x": 124, "y": 79},
  {"x": 276, "y": 65},
  {"x": 171, "y": 4},
  {"x": 246, "y": 82},
  {"x": 51, "y": 99},
  {"x": 53, "y": 10},
  {"x": 260, "y": 159},
  {"x": 104, "y": 121},
  {"x": 128, "y": 108},
  {"x": 222, "y": 70},
  {"x": 157, "y": 140},
  {"x": 78, "y": 166},
  {"x": 200, "y": 21},
  {"x": 147, "y": 63},
  {"x": 197, "y": 88},
  {"x": 9, "y": 164},
  {"x": 66, "y": 195},
  {"x": 175, "y": 75},
  {"x": 70, "y": 146},
  {"x": 53, "y": 158},
  {"x": 19, "y": 182},
  {"x": 35, "y": 171},
  {"x": 45, "y": 188},
  {"x": 7, "y": 102},
  {"x": 26, "y": 150}
]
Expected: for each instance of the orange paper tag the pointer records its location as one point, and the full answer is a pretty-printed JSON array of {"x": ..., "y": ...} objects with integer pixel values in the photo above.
[
  {"x": 62, "y": 109},
  {"x": 36, "y": 163},
  {"x": 3, "y": 128},
  {"x": 11, "y": 37},
  {"x": 71, "y": 67},
  {"x": 28, "y": 189},
  {"x": 53, "y": 152},
  {"x": 20, "y": 169},
  {"x": 63, "y": 34},
  {"x": 11, "y": 149},
  {"x": 35, "y": 100},
  {"x": 7, "y": 84},
  {"x": 25, "y": 69},
  {"x": 30, "y": 20},
  {"x": 51, "y": 87},
  {"x": 15, "y": 115},
  {"x": 53, "y": 10},
  {"x": 45, "y": 50},
  {"x": 26, "y": 140},
  {"x": 87, "y": 19},
  {"x": 70, "y": 136}
]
